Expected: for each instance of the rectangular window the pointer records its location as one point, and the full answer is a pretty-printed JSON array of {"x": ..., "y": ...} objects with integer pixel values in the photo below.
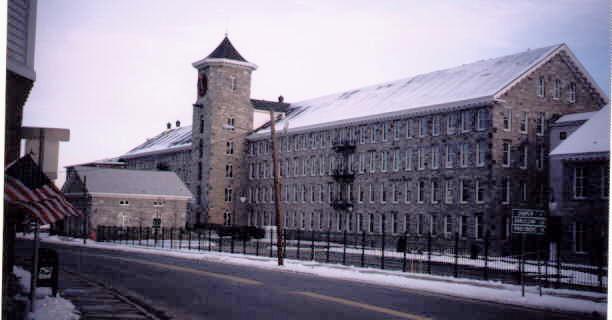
[
  {"x": 397, "y": 160},
  {"x": 449, "y": 156},
  {"x": 448, "y": 227},
  {"x": 465, "y": 121},
  {"x": 421, "y": 158},
  {"x": 433, "y": 222},
  {"x": 435, "y": 157},
  {"x": 540, "y": 88},
  {"x": 524, "y": 156},
  {"x": 435, "y": 126},
  {"x": 419, "y": 224},
  {"x": 481, "y": 150},
  {"x": 435, "y": 191},
  {"x": 540, "y": 124},
  {"x": 384, "y": 127},
  {"x": 361, "y": 162},
  {"x": 408, "y": 160},
  {"x": 464, "y": 193},
  {"x": 507, "y": 120},
  {"x": 229, "y": 147},
  {"x": 359, "y": 223},
  {"x": 579, "y": 182},
  {"x": 383, "y": 193},
  {"x": 523, "y": 191},
  {"x": 524, "y": 122},
  {"x": 384, "y": 161},
  {"x": 463, "y": 225},
  {"x": 478, "y": 227},
  {"x": 363, "y": 134},
  {"x": 397, "y": 129},
  {"x": 394, "y": 223},
  {"x": 578, "y": 237},
  {"x": 407, "y": 192},
  {"x": 228, "y": 194},
  {"x": 557, "y": 90},
  {"x": 506, "y": 154},
  {"x": 506, "y": 191},
  {"x": 395, "y": 192},
  {"x": 409, "y": 128},
  {"x": 479, "y": 191},
  {"x": 372, "y": 133},
  {"x": 422, "y": 127},
  {"x": 464, "y": 153},
  {"x": 371, "y": 193},
  {"x": 371, "y": 226},
  {"x": 451, "y": 124},
  {"x": 448, "y": 191},
  {"x": 320, "y": 220},
  {"x": 372, "y": 159},
  {"x": 407, "y": 223},
  {"x": 421, "y": 191},
  {"x": 571, "y": 93},
  {"x": 360, "y": 194},
  {"x": 481, "y": 119}
]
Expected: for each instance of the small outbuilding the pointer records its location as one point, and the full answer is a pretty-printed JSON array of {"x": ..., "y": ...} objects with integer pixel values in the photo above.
[{"x": 124, "y": 198}]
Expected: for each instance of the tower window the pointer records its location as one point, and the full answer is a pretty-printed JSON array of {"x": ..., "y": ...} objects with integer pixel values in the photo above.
[
  {"x": 229, "y": 171},
  {"x": 229, "y": 124},
  {"x": 233, "y": 83},
  {"x": 228, "y": 194},
  {"x": 229, "y": 147}
]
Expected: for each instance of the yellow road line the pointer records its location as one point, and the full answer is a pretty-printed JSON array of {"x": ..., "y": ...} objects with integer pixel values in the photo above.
[
  {"x": 365, "y": 306},
  {"x": 183, "y": 269}
]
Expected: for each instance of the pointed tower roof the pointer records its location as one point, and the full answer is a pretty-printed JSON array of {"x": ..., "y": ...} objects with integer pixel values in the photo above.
[
  {"x": 225, "y": 50},
  {"x": 225, "y": 53}
]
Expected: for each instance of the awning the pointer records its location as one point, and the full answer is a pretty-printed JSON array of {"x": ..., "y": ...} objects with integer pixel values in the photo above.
[{"x": 28, "y": 188}]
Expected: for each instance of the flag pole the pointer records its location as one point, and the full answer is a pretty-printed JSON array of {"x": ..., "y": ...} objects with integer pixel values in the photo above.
[{"x": 34, "y": 273}]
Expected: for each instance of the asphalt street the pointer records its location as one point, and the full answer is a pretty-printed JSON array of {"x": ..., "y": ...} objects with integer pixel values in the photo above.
[{"x": 187, "y": 289}]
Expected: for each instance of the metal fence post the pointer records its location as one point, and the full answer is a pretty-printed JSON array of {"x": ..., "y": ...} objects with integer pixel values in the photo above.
[
  {"x": 344, "y": 248},
  {"x": 139, "y": 235},
  {"x": 272, "y": 242},
  {"x": 405, "y": 247},
  {"x": 257, "y": 247},
  {"x": 327, "y": 255},
  {"x": 456, "y": 266},
  {"x": 600, "y": 264},
  {"x": 284, "y": 243},
  {"x": 232, "y": 244},
  {"x": 199, "y": 240},
  {"x": 180, "y": 238},
  {"x": 363, "y": 240},
  {"x": 209, "y": 239},
  {"x": 189, "y": 241},
  {"x": 486, "y": 256},
  {"x": 299, "y": 233},
  {"x": 171, "y": 238},
  {"x": 382, "y": 256},
  {"x": 244, "y": 237},
  {"x": 312, "y": 246},
  {"x": 429, "y": 253},
  {"x": 558, "y": 265}
]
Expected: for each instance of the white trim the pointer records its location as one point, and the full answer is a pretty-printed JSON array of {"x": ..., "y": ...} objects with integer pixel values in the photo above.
[
  {"x": 129, "y": 195},
  {"x": 221, "y": 61}
]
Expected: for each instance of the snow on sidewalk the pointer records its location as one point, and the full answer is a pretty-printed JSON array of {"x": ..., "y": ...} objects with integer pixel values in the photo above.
[
  {"x": 492, "y": 291},
  {"x": 47, "y": 307}
]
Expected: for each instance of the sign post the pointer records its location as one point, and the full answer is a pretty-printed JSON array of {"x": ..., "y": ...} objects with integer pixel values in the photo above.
[{"x": 527, "y": 222}]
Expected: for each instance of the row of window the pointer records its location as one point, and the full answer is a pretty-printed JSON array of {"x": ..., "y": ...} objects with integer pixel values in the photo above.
[
  {"x": 394, "y": 223},
  {"x": 523, "y": 155},
  {"x": 558, "y": 87},
  {"x": 540, "y": 122},
  {"x": 460, "y": 155},
  {"x": 431, "y": 191},
  {"x": 156, "y": 203},
  {"x": 464, "y": 121}
]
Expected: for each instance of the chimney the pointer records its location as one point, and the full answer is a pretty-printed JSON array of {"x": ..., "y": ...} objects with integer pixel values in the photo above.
[
  {"x": 178, "y": 123},
  {"x": 281, "y": 99},
  {"x": 168, "y": 125}
]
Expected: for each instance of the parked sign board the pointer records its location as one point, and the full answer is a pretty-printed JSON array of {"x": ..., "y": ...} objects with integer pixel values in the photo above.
[
  {"x": 529, "y": 221},
  {"x": 156, "y": 223}
]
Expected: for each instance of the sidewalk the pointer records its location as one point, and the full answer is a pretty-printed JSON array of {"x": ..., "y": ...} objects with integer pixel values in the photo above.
[{"x": 556, "y": 300}]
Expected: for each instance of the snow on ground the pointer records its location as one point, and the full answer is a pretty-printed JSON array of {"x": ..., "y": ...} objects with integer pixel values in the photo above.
[
  {"x": 47, "y": 307},
  {"x": 493, "y": 291}
]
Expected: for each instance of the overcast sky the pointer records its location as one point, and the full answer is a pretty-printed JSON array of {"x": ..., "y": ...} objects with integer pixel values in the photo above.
[{"x": 114, "y": 72}]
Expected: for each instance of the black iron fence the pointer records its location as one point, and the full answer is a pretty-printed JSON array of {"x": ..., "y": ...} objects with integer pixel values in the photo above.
[{"x": 456, "y": 258}]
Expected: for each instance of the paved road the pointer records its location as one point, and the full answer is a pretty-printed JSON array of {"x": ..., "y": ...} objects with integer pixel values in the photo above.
[{"x": 188, "y": 289}]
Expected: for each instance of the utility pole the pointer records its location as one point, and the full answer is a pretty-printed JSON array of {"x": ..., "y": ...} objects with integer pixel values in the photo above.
[
  {"x": 86, "y": 217},
  {"x": 277, "y": 192}
]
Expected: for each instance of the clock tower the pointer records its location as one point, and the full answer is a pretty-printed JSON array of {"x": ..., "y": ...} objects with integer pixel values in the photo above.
[{"x": 222, "y": 118}]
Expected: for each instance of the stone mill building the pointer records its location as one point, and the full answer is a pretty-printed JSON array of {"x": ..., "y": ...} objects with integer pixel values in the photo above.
[{"x": 451, "y": 151}]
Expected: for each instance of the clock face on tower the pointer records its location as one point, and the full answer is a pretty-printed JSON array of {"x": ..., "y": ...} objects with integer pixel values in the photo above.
[{"x": 202, "y": 85}]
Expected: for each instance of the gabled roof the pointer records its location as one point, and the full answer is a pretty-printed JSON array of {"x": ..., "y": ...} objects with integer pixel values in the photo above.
[
  {"x": 133, "y": 182},
  {"x": 225, "y": 50},
  {"x": 170, "y": 140},
  {"x": 592, "y": 137},
  {"x": 477, "y": 83}
]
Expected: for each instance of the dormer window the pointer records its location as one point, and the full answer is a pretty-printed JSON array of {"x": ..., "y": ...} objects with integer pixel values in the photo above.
[
  {"x": 571, "y": 94},
  {"x": 124, "y": 203},
  {"x": 158, "y": 203},
  {"x": 557, "y": 90}
]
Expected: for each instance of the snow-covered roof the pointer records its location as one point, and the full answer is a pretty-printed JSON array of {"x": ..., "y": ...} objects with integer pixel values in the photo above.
[
  {"x": 592, "y": 137},
  {"x": 572, "y": 117},
  {"x": 470, "y": 84},
  {"x": 137, "y": 182},
  {"x": 169, "y": 140}
]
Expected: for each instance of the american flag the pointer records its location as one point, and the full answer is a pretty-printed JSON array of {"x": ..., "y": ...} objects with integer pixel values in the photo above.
[{"x": 27, "y": 187}]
